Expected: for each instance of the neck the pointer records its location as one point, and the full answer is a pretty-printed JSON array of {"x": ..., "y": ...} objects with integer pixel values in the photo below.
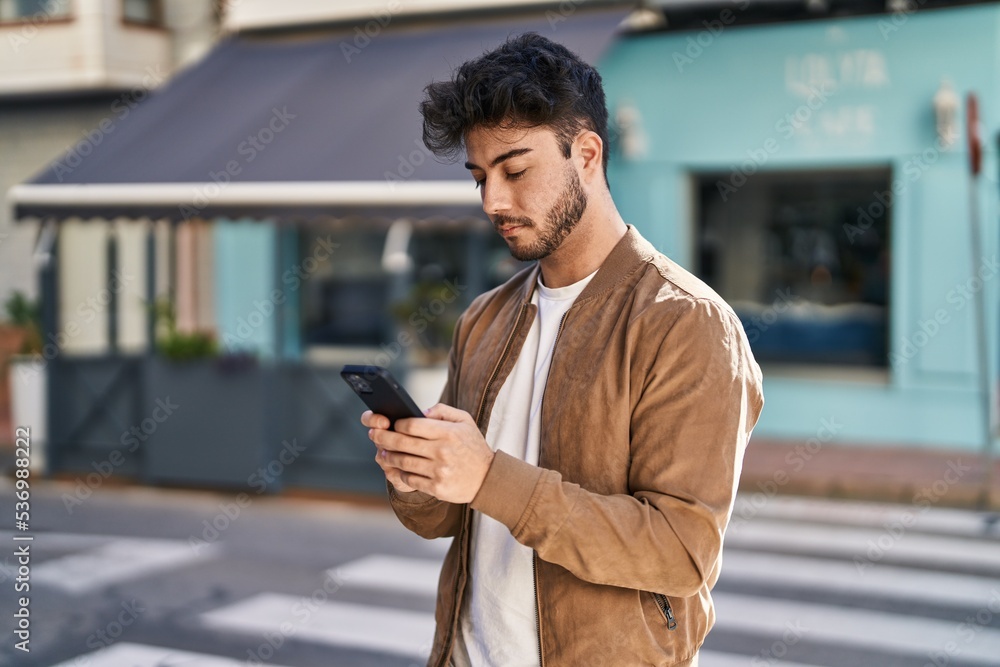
[{"x": 585, "y": 249}]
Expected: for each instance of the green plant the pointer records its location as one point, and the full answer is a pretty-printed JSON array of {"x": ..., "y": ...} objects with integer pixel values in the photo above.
[
  {"x": 178, "y": 345},
  {"x": 27, "y": 314},
  {"x": 429, "y": 312}
]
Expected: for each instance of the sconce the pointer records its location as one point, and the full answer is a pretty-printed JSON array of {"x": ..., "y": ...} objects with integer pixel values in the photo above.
[
  {"x": 946, "y": 105},
  {"x": 631, "y": 136}
]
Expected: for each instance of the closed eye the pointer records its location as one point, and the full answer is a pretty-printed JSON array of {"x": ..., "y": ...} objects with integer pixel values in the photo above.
[{"x": 512, "y": 177}]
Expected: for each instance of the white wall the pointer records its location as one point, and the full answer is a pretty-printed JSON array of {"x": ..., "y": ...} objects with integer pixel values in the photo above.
[
  {"x": 93, "y": 48},
  {"x": 248, "y": 14}
]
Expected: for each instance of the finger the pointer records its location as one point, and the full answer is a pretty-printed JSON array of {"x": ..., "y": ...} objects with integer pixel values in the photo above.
[
  {"x": 416, "y": 465},
  {"x": 372, "y": 420},
  {"x": 426, "y": 429},
  {"x": 401, "y": 477},
  {"x": 397, "y": 442},
  {"x": 449, "y": 414}
]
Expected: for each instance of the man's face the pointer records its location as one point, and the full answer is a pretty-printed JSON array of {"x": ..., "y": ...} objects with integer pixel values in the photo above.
[{"x": 531, "y": 193}]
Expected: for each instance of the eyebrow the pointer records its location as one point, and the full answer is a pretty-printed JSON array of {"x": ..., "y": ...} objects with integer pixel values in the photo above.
[{"x": 500, "y": 158}]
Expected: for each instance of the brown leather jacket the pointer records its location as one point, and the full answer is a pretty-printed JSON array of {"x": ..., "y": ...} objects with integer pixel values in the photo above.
[{"x": 650, "y": 400}]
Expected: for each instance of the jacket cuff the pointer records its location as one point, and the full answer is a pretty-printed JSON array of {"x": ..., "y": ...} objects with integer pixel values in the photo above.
[
  {"x": 506, "y": 491},
  {"x": 408, "y": 498}
]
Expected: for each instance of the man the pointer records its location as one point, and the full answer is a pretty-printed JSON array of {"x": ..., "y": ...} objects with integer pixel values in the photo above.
[{"x": 587, "y": 447}]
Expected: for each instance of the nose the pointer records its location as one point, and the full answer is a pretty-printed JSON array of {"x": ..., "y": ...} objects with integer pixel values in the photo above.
[{"x": 496, "y": 197}]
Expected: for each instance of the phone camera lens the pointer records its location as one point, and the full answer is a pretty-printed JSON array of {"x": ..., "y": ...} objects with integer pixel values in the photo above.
[{"x": 360, "y": 385}]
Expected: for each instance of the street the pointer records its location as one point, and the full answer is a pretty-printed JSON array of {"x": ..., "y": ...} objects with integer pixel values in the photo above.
[{"x": 143, "y": 577}]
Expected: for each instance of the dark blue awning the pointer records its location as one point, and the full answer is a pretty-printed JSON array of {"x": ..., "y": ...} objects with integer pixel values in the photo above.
[{"x": 291, "y": 124}]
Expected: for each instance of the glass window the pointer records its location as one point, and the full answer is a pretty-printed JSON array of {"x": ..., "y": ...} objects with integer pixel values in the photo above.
[
  {"x": 343, "y": 297},
  {"x": 37, "y": 10},
  {"x": 803, "y": 258},
  {"x": 352, "y": 300},
  {"x": 142, "y": 11}
]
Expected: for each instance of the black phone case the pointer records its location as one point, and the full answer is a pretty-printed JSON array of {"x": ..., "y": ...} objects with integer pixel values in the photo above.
[{"x": 386, "y": 396}]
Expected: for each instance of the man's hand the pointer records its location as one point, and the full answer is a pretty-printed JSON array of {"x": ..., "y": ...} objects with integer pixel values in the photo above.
[{"x": 443, "y": 454}]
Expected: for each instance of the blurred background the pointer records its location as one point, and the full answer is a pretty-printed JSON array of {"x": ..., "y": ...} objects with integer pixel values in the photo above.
[{"x": 210, "y": 207}]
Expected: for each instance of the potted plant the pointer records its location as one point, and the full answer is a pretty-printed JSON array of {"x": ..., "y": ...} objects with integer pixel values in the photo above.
[
  {"x": 26, "y": 374},
  {"x": 214, "y": 434},
  {"x": 427, "y": 315}
]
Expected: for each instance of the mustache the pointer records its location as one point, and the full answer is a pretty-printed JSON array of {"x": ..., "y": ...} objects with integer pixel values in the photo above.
[{"x": 508, "y": 221}]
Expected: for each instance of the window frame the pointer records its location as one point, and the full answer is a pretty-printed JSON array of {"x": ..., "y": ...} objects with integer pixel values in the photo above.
[{"x": 885, "y": 172}]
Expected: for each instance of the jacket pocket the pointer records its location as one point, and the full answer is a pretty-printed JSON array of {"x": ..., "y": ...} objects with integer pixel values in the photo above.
[{"x": 663, "y": 604}]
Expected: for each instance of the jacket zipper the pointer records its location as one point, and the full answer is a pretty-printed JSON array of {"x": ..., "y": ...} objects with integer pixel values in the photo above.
[
  {"x": 538, "y": 613},
  {"x": 664, "y": 604}
]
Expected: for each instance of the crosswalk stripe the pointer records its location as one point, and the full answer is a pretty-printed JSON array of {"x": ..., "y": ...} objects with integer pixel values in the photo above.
[
  {"x": 390, "y": 573},
  {"x": 381, "y": 629},
  {"x": 126, "y": 654},
  {"x": 419, "y": 576},
  {"x": 885, "y": 581},
  {"x": 893, "y": 633},
  {"x": 942, "y": 520},
  {"x": 719, "y": 659},
  {"x": 119, "y": 560},
  {"x": 868, "y": 545}
]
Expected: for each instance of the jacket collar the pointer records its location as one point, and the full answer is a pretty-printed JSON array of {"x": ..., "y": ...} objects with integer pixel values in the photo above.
[{"x": 631, "y": 251}]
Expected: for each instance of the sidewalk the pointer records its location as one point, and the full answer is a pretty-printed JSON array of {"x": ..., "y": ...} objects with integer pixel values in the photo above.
[{"x": 947, "y": 478}]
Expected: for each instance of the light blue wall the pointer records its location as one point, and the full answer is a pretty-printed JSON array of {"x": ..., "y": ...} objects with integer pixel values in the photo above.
[
  {"x": 257, "y": 301},
  {"x": 245, "y": 261},
  {"x": 708, "y": 106}
]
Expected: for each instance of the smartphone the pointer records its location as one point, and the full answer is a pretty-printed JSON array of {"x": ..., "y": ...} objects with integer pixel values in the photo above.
[{"x": 381, "y": 392}]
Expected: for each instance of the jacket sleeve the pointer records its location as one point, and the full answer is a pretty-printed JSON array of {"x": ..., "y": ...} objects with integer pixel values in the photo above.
[
  {"x": 421, "y": 512},
  {"x": 689, "y": 429}
]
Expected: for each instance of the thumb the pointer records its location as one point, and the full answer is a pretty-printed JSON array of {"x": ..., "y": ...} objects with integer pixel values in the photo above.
[{"x": 449, "y": 414}]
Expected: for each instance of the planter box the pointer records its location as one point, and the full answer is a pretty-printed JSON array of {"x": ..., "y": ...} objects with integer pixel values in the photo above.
[
  {"x": 212, "y": 425},
  {"x": 11, "y": 339},
  {"x": 28, "y": 381}
]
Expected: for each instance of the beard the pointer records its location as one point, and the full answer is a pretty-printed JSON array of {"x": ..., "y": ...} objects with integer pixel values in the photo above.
[{"x": 559, "y": 221}]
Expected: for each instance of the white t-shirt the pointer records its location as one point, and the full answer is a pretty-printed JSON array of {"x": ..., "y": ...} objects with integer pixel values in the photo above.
[{"x": 497, "y": 620}]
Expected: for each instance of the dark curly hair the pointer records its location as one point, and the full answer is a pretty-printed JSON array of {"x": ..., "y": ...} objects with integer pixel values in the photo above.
[{"x": 528, "y": 81}]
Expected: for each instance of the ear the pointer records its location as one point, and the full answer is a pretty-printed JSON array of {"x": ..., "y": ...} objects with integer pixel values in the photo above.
[{"x": 590, "y": 151}]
